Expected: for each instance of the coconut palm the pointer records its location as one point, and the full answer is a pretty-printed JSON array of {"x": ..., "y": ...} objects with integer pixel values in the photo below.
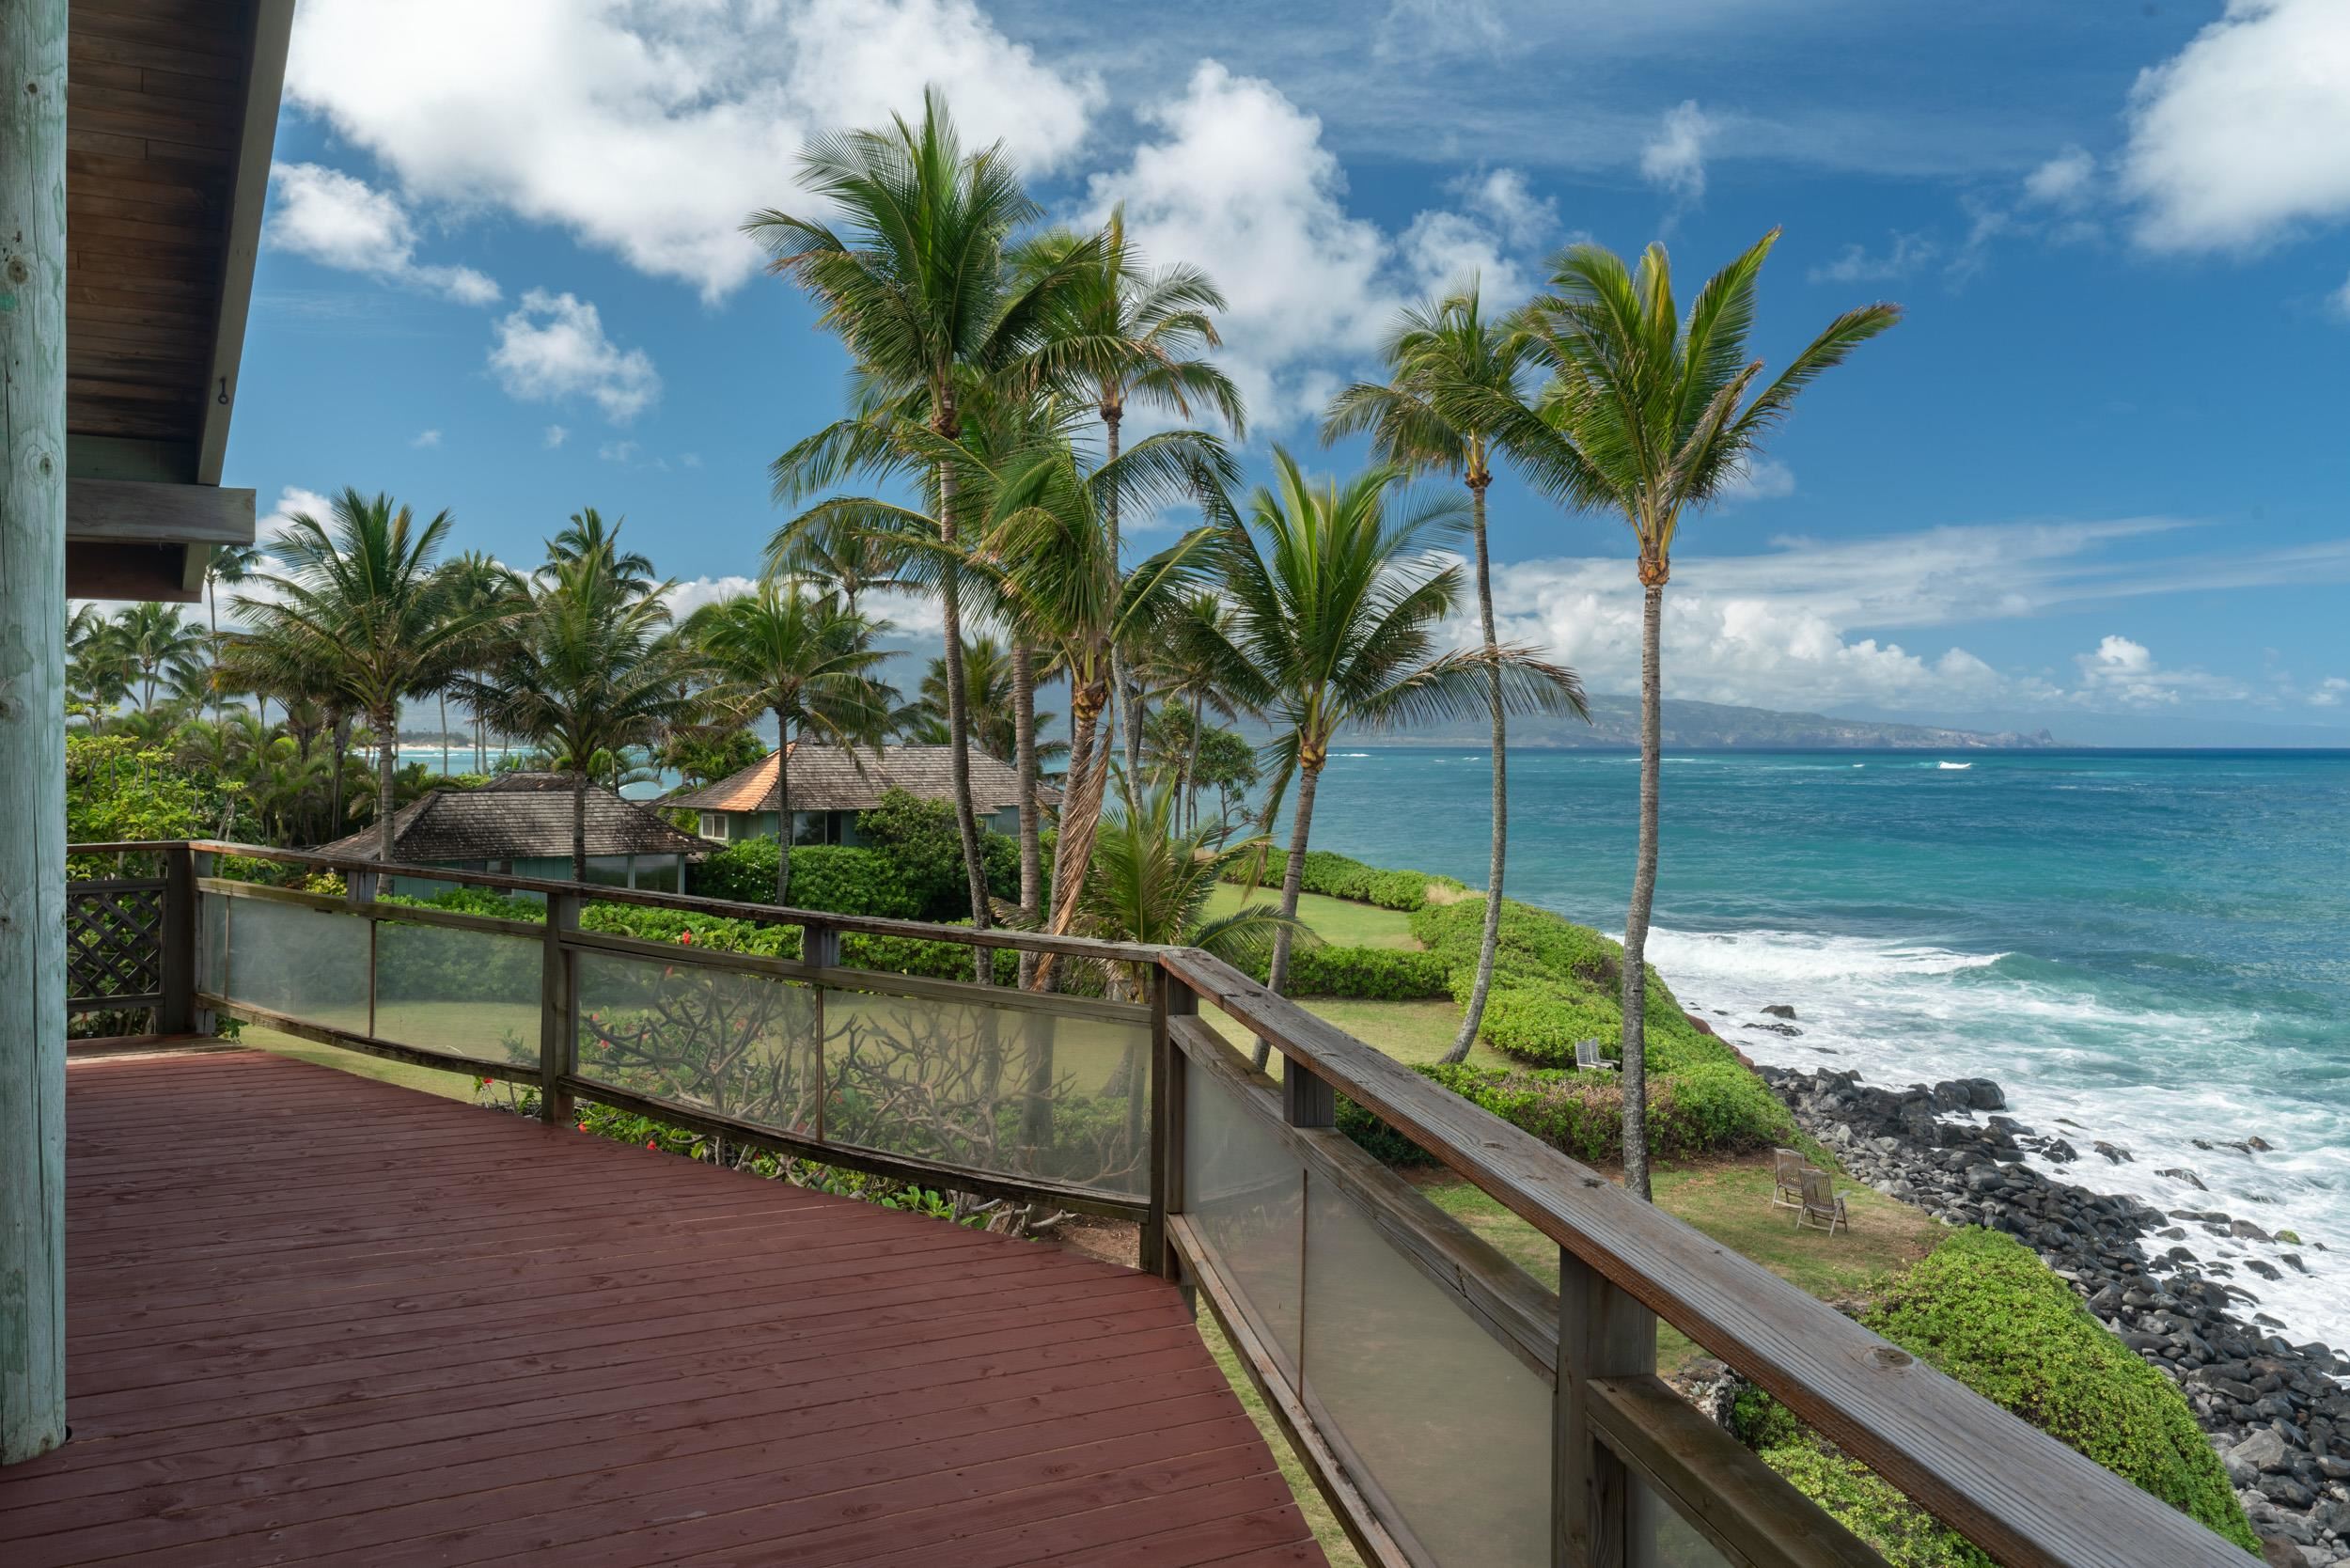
[
  {"x": 98, "y": 675},
  {"x": 361, "y": 600},
  {"x": 850, "y": 562},
  {"x": 1185, "y": 663},
  {"x": 156, "y": 645},
  {"x": 1648, "y": 415},
  {"x": 227, "y": 566},
  {"x": 587, "y": 665},
  {"x": 1448, "y": 369},
  {"x": 807, "y": 660},
  {"x": 987, "y": 698},
  {"x": 1150, "y": 879},
  {"x": 588, "y": 534},
  {"x": 477, "y": 581},
  {"x": 912, "y": 280},
  {"x": 1335, "y": 605},
  {"x": 1124, "y": 332}
]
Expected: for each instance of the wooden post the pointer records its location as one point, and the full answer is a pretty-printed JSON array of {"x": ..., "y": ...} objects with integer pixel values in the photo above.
[
  {"x": 559, "y": 995},
  {"x": 175, "y": 1013},
  {"x": 202, "y": 1021},
  {"x": 1169, "y": 999},
  {"x": 32, "y": 729},
  {"x": 1601, "y": 1333},
  {"x": 819, "y": 946},
  {"x": 1306, "y": 1100}
]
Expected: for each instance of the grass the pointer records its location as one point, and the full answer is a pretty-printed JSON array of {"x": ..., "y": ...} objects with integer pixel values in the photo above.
[
  {"x": 1336, "y": 921},
  {"x": 1311, "y": 1502},
  {"x": 1730, "y": 1201},
  {"x": 1408, "y": 1031}
]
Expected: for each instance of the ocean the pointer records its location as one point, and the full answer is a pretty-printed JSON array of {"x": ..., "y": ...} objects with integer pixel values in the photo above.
[{"x": 2147, "y": 948}]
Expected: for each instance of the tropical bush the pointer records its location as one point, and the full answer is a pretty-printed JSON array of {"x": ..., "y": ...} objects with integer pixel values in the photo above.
[
  {"x": 1338, "y": 876},
  {"x": 1985, "y": 1310},
  {"x": 1581, "y": 1114},
  {"x": 918, "y": 836},
  {"x": 1370, "y": 974},
  {"x": 847, "y": 881}
]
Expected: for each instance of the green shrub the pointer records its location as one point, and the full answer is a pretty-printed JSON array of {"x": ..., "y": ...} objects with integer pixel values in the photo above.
[
  {"x": 845, "y": 880},
  {"x": 1405, "y": 890},
  {"x": 919, "y": 837},
  {"x": 1372, "y": 973},
  {"x": 1581, "y": 1114},
  {"x": 1985, "y": 1310}
]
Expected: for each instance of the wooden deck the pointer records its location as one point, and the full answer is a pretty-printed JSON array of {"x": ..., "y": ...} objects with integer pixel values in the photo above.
[{"x": 317, "y": 1318}]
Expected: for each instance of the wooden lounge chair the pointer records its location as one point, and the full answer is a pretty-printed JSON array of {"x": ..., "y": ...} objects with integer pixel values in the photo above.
[
  {"x": 1821, "y": 1206},
  {"x": 1588, "y": 1059},
  {"x": 1787, "y": 1184}
]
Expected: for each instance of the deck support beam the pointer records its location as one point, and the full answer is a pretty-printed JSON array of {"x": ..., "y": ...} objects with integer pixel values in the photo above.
[{"x": 32, "y": 729}]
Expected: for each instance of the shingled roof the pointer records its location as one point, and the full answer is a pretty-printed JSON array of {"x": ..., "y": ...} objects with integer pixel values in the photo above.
[
  {"x": 519, "y": 816},
  {"x": 839, "y": 778}
]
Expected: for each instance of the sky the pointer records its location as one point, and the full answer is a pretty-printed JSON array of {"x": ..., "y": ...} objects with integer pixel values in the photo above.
[{"x": 2093, "y": 482}]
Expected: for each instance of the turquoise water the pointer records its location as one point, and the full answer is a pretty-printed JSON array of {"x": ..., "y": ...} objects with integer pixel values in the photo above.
[{"x": 2148, "y": 945}]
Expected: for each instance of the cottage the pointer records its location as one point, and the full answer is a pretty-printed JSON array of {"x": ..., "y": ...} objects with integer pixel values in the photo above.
[
  {"x": 519, "y": 825},
  {"x": 830, "y": 785}
]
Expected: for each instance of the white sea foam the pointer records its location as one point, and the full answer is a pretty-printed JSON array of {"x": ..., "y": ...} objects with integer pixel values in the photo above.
[
  {"x": 2085, "y": 1066},
  {"x": 1953, "y": 767},
  {"x": 1351, "y": 754}
]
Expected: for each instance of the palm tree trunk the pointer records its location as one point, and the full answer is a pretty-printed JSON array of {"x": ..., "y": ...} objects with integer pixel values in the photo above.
[
  {"x": 1475, "y": 1014},
  {"x": 783, "y": 809},
  {"x": 1292, "y": 882},
  {"x": 1643, "y": 898},
  {"x": 1023, "y": 765},
  {"x": 443, "y": 696},
  {"x": 579, "y": 819},
  {"x": 212, "y": 610},
  {"x": 1187, "y": 792},
  {"x": 1124, "y": 712},
  {"x": 334, "y": 785},
  {"x": 1080, "y": 812},
  {"x": 386, "y": 767},
  {"x": 959, "y": 707}
]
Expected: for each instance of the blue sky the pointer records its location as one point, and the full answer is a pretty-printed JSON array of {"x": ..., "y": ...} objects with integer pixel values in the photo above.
[{"x": 2094, "y": 481}]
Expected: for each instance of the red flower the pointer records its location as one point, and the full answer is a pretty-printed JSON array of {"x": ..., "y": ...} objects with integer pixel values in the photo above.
[
  {"x": 652, "y": 1143},
  {"x": 583, "y": 1126},
  {"x": 687, "y": 938}
]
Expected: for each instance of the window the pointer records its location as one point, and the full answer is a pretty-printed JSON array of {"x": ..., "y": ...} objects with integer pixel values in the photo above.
[{"x": 715, "y": 825}]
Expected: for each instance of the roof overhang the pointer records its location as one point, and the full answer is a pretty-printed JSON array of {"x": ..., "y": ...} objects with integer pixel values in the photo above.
[{"x": 171, "y": 116}]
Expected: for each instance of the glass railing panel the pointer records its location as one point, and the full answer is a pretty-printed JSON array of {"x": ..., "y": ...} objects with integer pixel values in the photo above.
[
  {"x": 465, "y": 993},
  {"x": 211, "y": 943},
  {"x": 307, "y": 963},
  {"x": 1661, "y": 1538},
  {"x": 738, "y": 1045},
  {"x": 1008, "y": 1090},
  {"x": 1452, "y": 1430},
  {"x": 1245, "y": 1193}
]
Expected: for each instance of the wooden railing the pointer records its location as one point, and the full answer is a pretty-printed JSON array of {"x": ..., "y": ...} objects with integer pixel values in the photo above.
[{"x": 1452, "y": 1408}]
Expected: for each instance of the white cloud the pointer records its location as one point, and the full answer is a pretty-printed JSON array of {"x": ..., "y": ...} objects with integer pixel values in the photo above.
[
  {"x": 1674, "y": 159},
  {"x": 618, "y": 451},
  {"x": 1759, "y": 479},
  {"x": 1908, "y": 253},
  {"x": 554, "y": 347},
  {"x": 2064, "y": 182},
  {"x": 2329, "y": 692},
  {"x": 1808, "y": 625},
  {"x": 1235, "y": 178},
  {"x": 691, "y": 459},
  {"x": 556, "y": 435},
  {"x": 2245, "y": 134},
  {"x": 341, "y": 222},
  {"x": 910, "y": 616},
  {"x": 292, "y": 501},
  {"x": 652, "y": 130},
  {"x": 2125, "y": 672},
  {"x": 426, "y": 438}
]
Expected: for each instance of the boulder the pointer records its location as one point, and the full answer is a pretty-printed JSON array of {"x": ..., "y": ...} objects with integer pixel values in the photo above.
[
  {"x": 1780, "y": 1010},
  {"x": 2180, "y": 1173},
  {"x": 2264, "y": 1452}
]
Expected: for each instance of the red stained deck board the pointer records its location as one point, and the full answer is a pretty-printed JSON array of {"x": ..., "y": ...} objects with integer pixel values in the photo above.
[{"x": 316, "y": 1318}]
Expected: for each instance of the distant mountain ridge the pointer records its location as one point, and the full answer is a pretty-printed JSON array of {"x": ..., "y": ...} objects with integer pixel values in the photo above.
[{"x": 1616, "y": 726}]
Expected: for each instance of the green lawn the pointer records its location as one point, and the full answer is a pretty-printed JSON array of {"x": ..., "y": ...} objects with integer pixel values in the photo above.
[
  {"x": 433, "y": 1080},
  {"x": 1336, "y": 921},
  {"x": 1730, "y": 1201}
]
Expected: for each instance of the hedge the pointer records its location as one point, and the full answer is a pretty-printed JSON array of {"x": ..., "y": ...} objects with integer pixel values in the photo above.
[
  {"x": 846, "y": 880},
  {"x": 1707, "y": 1111},
  {"x": 1338, "y": 876},
  {"x": 1369, "y": 974},
  {"x": 1985, "y": 1310}
]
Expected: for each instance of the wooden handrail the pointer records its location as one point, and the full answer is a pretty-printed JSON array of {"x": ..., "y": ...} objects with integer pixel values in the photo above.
[
  {"x": 729, "y": 909},
  {"x": 2024, "y": 1496}
]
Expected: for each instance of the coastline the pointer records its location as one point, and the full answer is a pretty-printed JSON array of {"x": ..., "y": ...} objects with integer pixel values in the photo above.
[{"x": 2277, "y": 1412}]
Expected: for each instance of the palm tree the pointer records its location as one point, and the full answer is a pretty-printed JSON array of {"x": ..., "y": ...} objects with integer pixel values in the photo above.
[
  {"x": 1150, "y": 879},
  {"x": 1448, "y": 367},
  {"x": 1647, "y": 414},
  {"x": 1335, "y": 621},
  {"x": 362, "y": 602},
  {"x": 1121, "y": 332},
  {"x": 849, "y": 561},
  {"x": 913, "y": 282},
  {"x": 227, "y": 566},
  {"x": 1185, "y": 663},
  {"x": 156, "y": 644},
  {"x": 987, "y": 698},
  {"x": 98, "y": 675},
  {"x": 807, "y": 660},
  {"x": 590, "y": 535},
  {"x": 478, "y": 581},
  {"x": 585, "y": 667}
]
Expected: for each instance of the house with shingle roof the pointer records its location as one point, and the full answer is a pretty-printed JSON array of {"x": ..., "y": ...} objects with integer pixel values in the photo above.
[
  {"x": 519, "y": 825},
  {"x": 830, "y": 785}
]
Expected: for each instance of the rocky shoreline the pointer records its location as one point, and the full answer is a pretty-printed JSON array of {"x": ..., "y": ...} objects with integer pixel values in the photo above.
[{"x": 2277, "y": 1412}]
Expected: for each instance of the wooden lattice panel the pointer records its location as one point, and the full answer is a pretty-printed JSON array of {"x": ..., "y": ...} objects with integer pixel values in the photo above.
[{"x": 113, "y": 941}]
